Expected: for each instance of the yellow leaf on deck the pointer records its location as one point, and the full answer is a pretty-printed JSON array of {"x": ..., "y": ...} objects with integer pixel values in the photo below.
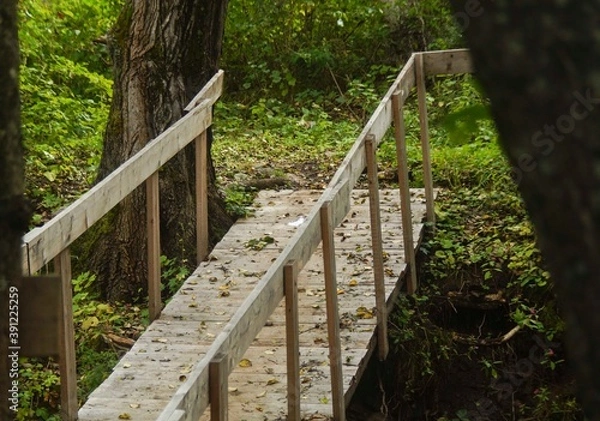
[
  {"x": 353, "y": 283},
  {"x": 272, "y": 381},
  {"x": 124, "y": 416},
  {"x": 245, "y": 363},
  {"x": 364, "y": 313}
]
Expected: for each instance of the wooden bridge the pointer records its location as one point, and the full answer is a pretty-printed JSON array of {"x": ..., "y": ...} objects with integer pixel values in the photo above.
[{"x": 279, "y": 321}]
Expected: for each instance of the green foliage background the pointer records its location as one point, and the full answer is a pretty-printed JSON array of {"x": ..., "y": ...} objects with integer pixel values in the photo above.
[{"x": 302, "y": 78}]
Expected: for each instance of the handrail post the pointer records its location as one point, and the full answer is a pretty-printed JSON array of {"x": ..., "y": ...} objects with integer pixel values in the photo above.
[
  {"x": 292, "y": 330},
  {"x": 218, "y": 387},
  {"x": 376, "y": 240},
  {"x": 403, "y": 183},
  {"x": 67, "y": 360},
  {"x": 424, "y": 124},
  {"x": 333, "y": 325},
  {"x": 201, "y": 197},
  {"x": 153, "y": 229}
]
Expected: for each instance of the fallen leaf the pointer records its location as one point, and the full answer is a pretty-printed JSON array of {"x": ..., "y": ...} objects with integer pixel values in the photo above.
[
  {"x": 353, "y": 283},
  {"x": 134, "y": 405},
  {"x": 341, "y": 291},
  {"x": 245, "y": 363},
  {"x": 90, "y": 322},
  {"x": 324, "y": 399},
  {"x": 225, "y": 293},
  {"x": 126, "y": 365},
  {"x": 364, "y": 313},
  {"x": 232, "y": 389},
  {"x": 161, "y": 340},
  {"x": 272, "y": 381},
  {"x": 262, "y": 394},
  {"x": 124, "y": 416}
]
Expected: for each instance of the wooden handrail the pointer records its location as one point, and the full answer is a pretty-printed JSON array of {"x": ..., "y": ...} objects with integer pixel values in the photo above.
[
  {"x": 193, "y": 396},
  {"x": 43, "y": 244},
  {"x": 52, "y": 241}
]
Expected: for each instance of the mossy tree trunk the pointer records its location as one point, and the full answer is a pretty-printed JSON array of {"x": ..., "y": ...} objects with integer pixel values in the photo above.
[
  {"x": 13, "y": 210},
  {"x": 164, "y": 52},
  {"x": 538, "y": 62}
]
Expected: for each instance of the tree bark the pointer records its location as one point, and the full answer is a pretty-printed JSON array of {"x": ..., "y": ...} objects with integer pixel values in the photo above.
[
  {"x": 14, "y": 215},
  {"x": 538, "y": 62},
  {"x": 164, "y": 52}
]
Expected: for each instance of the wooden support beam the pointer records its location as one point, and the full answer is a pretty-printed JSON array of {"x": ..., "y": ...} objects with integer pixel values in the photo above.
[
  {"x": 377, "y": 245},
  {"x": 403, "y": 183},
  {"x": 67, "y": 362},
  {"x": 37, "y": 302},
  {"x": 292, "y": 330},
  {"x": 201, "y": 197},
  {"x": 218, "y": 387},
  {"x": 153, "y": 241},
  {"x": 447, "y": 62},
  {"x": 333, "y": 323},
  {"x": 423, "y": 119}
]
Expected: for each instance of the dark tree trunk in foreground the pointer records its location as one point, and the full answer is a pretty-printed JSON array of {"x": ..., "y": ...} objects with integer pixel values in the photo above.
[
  {"x": 13, "y": 212},
  {"x": 539, "y": 62},
  {"x": 164, "y": 52}
]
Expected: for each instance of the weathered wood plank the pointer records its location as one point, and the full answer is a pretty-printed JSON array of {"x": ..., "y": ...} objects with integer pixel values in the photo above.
[
  {"x": 447, "y": 62},
  {"x": 404, "y": 189},
  {"x": 292, "y": 329},
  {"x": 218, "y": 378},
  {"x": 333, "y": 324},
  {"x": 153, "y": 245},
  {"x": 201, "y": 197},
  {"x": 67, "y": 363},
  {"x": 192, "y": 322},
  {"x": 39, "y": 300},
  {"x": 377, "y": 248},
  {"x": 425, "y": 146}
]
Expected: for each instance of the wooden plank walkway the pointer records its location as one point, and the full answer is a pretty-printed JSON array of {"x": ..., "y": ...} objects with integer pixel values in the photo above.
[{"x": 148, "y": 376}]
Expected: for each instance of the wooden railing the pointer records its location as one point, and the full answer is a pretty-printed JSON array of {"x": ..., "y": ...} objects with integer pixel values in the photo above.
[
  {"x": 50, "y": 243},
  {"x": 207, "y": 384}
]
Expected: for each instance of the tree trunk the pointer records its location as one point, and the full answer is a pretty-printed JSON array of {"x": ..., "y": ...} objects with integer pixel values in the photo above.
[
  {"x": 13, "y": 211},
  {"x": 538, "y": 62},
  {"x": 164, "y": 52}
]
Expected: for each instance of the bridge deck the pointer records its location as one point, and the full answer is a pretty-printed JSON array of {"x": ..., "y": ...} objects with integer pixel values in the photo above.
[{"x": 148, "y": 376}]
